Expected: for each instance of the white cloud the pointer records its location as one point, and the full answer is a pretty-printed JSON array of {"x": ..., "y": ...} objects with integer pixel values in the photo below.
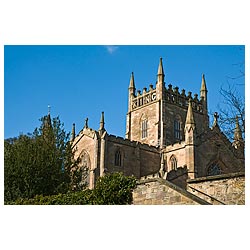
[{"x": 111, "y": 48}]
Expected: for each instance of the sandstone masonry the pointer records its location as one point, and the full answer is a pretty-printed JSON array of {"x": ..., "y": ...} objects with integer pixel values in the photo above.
[{"x": 167, "y": 135}]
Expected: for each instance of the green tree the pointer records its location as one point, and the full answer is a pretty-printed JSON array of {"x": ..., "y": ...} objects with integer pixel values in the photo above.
[
  {"x": 114, "y": 189},
  {"x": 111, "y": 189},
  {"x": 38, "y": 163}
]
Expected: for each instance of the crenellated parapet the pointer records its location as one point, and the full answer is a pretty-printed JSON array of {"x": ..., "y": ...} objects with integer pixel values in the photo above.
[
  {"x": 144, "y": 97},
  {"x": 173, "y": 96},
  {"x": 161, "y": 98}
]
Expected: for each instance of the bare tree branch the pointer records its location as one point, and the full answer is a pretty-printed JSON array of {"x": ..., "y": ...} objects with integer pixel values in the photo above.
[{"x": 233, "y": 105}]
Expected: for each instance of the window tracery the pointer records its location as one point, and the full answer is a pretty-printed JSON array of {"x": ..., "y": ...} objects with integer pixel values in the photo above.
[
  {"x": 177, "y": 128},
  {"x": 144, "y": 127},
  {"x": 173, "y": 163},
  {"x": 214, "y": 169},
  {"x": 118, "y": 158}
]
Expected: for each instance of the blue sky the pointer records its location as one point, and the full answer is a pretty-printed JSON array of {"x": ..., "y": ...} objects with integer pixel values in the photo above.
[{"x": 82, "y": 81}]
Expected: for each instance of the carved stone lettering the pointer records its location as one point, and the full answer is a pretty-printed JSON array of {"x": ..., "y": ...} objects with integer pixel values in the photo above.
[
  {"x": 140, "y": 102},
  {"x": 134, "y": 105},
  {"x": 144, "y": 100},
  {"x": 153, "y": 97}
]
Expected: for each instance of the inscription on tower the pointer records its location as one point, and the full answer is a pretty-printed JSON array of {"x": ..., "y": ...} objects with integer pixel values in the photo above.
[{"x": 142, "y": 100}]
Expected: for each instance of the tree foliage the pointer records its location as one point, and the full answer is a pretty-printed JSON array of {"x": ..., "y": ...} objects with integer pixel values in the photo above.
[
  {"x": 83, "y": 197},
  {"x": 114, "y": 189},
  {"x": 38, "y": 163},
  {"x": 111, "y": 189}
]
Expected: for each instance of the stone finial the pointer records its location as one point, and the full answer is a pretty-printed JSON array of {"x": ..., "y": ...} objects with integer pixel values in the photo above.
[
  {"x": 238, "y": 142},
  {"x": 160, "y": 73},
  {"x": 203, "y": 98},
  {"x": 176, "y": 90},
  {"x": 237, "y": 130},
  {"x": 189, "y": 94},
  {"x": 73, "y": 133},
  {"x": 86, "y": 123},
  {"x": 190, "y": 139},
  {"x": 190, "y": 116},
  {"x": 160, "y": 68},
  {"x": 203, "y": 83},
  {"x": 132, "y": 82},
  {"x": 216, "y": 117},
  {"x": 102, "y": 122}
]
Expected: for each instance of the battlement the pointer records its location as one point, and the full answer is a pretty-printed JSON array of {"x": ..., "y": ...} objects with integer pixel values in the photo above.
[
  {"x": 173, "y": 96},
  {"x": 144, "y": 97}
]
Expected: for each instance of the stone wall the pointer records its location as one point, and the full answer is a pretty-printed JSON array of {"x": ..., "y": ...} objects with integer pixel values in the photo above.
[
  {"x": 178, "y": 151},
  {"x": 213, "y": 147},
  {"x": 85, "y": 146},
  {"x": 137, "y": 159},
  {"x": 86, "y": 140},
  {"x": 176, "y": 106},
  {"x": 221, "y": 189},
  {"x": 178, "y": 177},
  {"x": 157, "y": 191},
  {"x": 151, "y": 114}
]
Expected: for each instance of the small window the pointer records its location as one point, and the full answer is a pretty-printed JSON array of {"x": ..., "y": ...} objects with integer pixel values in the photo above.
[
  {"x": 177, "y": 129},
  {"x": 144, "y": 129},
  {"x": 214, "y": 169},
  {"x": 173, "y": 163},
  {"x": 118, "y": 158}
]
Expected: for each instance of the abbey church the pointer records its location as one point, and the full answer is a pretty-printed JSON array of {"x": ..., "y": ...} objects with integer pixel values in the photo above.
[{"x": 169, "y": 147}]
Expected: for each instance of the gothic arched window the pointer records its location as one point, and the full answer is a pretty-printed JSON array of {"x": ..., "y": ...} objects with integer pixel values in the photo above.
[
  {"x": 214, "y": 169},
  {"x": 177, "y": 128},
  {"x": 81, "y": 173},
  {"x": 144, "y": 128},
  {"x": 173, "y": 163},
  {"x": 118, "y": 158}
]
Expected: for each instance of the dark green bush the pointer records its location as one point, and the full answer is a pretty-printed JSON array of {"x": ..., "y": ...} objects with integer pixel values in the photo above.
[{"x": 112, "y": 189}]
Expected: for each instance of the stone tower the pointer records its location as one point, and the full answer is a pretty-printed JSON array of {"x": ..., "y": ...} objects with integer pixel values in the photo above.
[
  {"x": 157, "y": 116},
  {"x": 167, "y": 135}
]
